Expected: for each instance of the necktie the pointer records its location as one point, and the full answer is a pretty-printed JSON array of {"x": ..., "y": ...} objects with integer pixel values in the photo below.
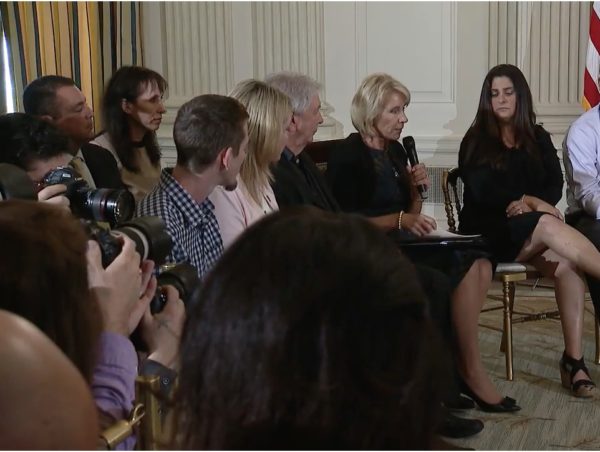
[{"x": 80, "y": 166}]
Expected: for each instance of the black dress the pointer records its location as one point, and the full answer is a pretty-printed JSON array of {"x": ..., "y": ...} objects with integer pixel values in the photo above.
[
  {"x": 374, "y": 183},
  {"x": 488, "y": 191}
]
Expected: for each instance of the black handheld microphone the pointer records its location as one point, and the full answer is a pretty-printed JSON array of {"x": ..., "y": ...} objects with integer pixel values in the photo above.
[{"x": 411, "y": 153}]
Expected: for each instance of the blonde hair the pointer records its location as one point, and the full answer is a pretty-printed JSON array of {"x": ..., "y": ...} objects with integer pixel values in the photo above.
[
  {"x": 267, "y": 107},
  {"x": 370, "y": 99}
]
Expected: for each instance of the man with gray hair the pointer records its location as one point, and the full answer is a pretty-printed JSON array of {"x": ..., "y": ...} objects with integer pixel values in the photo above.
[{"x": 297, "y": 180}]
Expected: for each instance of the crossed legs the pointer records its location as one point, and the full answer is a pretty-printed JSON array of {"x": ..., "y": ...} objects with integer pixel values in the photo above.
[{"x": 560, "y": 252}]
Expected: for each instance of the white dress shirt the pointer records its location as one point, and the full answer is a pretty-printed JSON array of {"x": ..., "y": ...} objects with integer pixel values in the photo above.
[{"x": 581, "y": 157}]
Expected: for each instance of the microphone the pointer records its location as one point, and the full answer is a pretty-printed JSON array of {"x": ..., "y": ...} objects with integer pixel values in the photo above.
[{"x": 411, "y": 153}]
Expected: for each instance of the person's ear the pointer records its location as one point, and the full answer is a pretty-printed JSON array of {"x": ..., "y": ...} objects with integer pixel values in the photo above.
[
  {"x": 293, "y": 124},
  {"x": 126, "y": 106},
  {"x": 226, "y": 156},
  {"x": 47, "y": 118}
]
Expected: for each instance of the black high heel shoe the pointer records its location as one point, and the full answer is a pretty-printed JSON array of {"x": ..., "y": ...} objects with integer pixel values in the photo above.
[
  {"x": 506, "y": 405},
  {"x": 568, "y": 368}
]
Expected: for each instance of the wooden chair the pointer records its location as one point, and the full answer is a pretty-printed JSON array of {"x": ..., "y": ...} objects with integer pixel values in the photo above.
[
  {"x": 508, "y": 273},
  {"x": 319, "y": 152}
]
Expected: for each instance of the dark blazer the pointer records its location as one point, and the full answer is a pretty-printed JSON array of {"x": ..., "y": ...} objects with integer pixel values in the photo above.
[
  {"x": 292, "y": 188},
  {"x": 351, "y": 173},
  {"x": 102, "y": 166}
]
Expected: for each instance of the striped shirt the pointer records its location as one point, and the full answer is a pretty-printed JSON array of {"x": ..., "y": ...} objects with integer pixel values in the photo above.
[{"x": 192, "y": 226}]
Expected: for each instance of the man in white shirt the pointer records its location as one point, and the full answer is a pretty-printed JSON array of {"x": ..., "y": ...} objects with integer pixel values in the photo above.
[{"x": 581, "y": 157}]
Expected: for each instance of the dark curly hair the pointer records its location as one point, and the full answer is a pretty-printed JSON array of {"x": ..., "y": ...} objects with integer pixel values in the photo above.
[{"x": 26, "y": 139}]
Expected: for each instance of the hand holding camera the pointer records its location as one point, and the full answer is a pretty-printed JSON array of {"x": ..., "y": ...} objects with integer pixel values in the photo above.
[
  {"x": 117, "y": 288},
  {"x": 54, "y": 194},
  {"x": 162, "y": 331}
]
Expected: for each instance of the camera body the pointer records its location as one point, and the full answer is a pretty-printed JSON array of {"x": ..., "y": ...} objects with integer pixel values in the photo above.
[
  {"x": 103, "y": 204},
  {"x": 182, "y": 276}
]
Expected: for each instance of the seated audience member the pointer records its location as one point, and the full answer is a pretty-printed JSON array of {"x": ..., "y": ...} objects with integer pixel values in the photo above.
[
  {"x": 296, "y": 179},
  {"x": 270, "y": 113},
  {"x": 57, "y": 100},
  {"x": 581, "y": 149},
  {"x": 211, "y": 135},
  {"x": 337, "y": 354},
  {"x": 369, "y": 174},
  {"x": 132, "y": 110},
  {"x": 512, "y": 180},
  {"x": 86, "y": 310},
  {"x": 50, "y": 404},
  {"x": 36, "y": 147},
  {"x": 299, "y": 182}
]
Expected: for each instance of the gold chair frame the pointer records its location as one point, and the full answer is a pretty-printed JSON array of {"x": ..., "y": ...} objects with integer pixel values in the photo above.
[{"x": 508, "y": 273}]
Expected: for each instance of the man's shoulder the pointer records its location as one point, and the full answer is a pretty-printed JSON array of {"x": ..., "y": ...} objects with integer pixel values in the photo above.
[{"x": 589, "y": 120}]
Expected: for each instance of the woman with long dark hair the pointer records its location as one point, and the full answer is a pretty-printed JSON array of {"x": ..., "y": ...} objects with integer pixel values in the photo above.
[
  {"x": 132, "y": 110},
  {"x": 513, "y": 180}
]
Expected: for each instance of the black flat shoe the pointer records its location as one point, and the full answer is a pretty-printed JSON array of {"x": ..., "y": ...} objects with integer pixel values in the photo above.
[
  {"x": 506, "y": 405},
  {"x": 457, "y": 427},
  {"x": 459, "y": 403}
]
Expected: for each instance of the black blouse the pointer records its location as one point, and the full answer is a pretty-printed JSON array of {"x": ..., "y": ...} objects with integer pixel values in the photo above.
[{"x": 488, "y": 191}]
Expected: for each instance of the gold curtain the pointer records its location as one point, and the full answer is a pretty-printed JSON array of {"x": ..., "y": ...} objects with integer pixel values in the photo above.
[{"x": 86, "y": 41}]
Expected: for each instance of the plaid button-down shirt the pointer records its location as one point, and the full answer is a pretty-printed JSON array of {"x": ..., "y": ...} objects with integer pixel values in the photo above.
[{"x": 193, "y": 227}]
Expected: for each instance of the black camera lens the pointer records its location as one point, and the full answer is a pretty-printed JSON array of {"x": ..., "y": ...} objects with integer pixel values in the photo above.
[
  {"x": 150, "y": 237},
  {"x": 110, "y": 205},
  {"x": 113, "y": 206},
  {"x": 182, "y": 276}
]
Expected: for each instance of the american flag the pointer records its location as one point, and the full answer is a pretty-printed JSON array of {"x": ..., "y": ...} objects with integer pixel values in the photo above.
[{"x": 591, "y": 92}]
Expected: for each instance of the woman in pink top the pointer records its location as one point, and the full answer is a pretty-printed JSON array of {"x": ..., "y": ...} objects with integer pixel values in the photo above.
[{"x": 270, "y": 116}]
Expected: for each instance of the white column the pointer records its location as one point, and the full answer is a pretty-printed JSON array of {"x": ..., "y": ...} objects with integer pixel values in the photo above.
[{"x": 548, "y": 41}]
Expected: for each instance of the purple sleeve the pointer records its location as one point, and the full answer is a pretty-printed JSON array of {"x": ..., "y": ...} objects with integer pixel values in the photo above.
[{"x": 113, "y": 382}]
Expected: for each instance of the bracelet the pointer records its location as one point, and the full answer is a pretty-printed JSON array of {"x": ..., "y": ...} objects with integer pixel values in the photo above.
[{"x": 400, "y": 219}]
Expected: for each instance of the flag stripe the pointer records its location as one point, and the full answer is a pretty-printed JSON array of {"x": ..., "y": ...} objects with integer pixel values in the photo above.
[{"x": 591, "y": 93}]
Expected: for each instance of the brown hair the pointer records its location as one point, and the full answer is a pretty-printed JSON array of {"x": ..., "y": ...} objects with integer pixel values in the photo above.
[
  {"x": 43, "y": 277},
  {"x": 310, "y": 332}
]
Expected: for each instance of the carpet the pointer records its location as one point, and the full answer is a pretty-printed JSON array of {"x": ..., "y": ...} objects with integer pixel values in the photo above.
[{"x": 550, "y": 419}]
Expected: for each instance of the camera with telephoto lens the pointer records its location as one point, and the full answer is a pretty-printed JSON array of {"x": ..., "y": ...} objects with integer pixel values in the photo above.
[
  {"x": 103, "y": 204},
  {"x": 182, "y": 276},
  {"x": 15, "y": 183},
  {"x": 149, "y": 234}
]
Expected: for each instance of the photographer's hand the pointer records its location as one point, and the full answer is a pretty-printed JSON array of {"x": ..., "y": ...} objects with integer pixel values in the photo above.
[
  {"x": 162, "y": 332},
  {"x": 53, "y": 194},
  {"x": 148, "y": 290},
  {"x": 117, "y": 288}
]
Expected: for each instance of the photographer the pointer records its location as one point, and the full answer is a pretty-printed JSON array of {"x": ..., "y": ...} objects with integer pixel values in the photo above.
[
  {"x": 36, "y": 147},
  {"x": 88, "y": 314}
]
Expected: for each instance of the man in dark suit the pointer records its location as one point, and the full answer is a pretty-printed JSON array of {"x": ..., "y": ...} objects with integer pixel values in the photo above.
[
  {"x": 57, "y": 99},
  {"x": 298, "y": 181}
]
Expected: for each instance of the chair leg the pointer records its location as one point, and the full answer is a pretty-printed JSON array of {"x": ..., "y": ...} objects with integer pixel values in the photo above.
[{"x": 508, "y": 294}]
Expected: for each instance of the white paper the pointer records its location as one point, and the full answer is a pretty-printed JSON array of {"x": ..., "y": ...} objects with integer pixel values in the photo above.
[{"x": 442, "y": 234}]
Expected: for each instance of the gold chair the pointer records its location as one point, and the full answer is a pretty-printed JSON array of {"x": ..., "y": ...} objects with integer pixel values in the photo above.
[
  {"x": 508, "y": 273},
  {"x": 145, "y": 418}
]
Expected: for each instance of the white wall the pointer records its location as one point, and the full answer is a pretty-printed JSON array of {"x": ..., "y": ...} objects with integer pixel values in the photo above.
[{"x": 440, "y": 50}]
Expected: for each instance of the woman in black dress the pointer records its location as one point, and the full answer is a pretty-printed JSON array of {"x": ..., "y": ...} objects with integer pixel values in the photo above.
[
  {"x": 369, "y": 174},
  {"x": 513, "y": 180}
]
